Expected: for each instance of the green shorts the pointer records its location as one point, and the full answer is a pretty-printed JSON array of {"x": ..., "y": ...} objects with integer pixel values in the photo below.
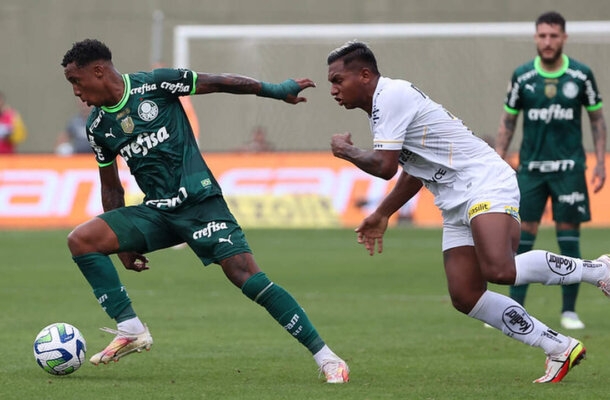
[
  {"x": 208, "y": 227},
  {"x": 567, "y": 190}
]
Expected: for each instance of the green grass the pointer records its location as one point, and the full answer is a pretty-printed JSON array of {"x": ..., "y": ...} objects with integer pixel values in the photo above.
[{"x": 389, "y": 316}]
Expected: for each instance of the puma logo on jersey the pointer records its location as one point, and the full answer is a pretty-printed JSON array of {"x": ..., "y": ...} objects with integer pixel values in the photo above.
[
  {"x": 227, "y": 240},
  {"x": 109, "y": 134},
  {"x": 530, "y": 87}
]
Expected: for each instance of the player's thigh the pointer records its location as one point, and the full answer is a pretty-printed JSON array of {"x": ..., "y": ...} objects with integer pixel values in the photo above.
[
  {"x": 496, "y": 238},
  {"x": 212, "y": 231},
  {"x": 534, "y": 195},
  {"x": 570, "y": 198},
  {"x": 141, "y": 228}
]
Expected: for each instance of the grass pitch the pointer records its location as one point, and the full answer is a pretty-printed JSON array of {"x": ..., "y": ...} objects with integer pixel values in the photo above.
[{"x": 389, "y": 316}]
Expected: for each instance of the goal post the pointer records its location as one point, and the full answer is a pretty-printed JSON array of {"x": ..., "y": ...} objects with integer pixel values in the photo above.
[
  {"x": 184, "y": 33},
  {"x": 464, "y": 66}
]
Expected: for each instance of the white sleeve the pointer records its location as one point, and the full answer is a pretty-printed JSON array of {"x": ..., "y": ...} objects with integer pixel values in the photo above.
[{"x": 395, "y": 108}]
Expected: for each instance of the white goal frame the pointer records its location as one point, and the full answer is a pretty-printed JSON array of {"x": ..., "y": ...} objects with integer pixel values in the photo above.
[{"x": 184, "y": 33}]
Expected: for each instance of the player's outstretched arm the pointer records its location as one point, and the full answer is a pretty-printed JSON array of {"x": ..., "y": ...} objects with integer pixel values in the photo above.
[{"x": 287, "y": 91}]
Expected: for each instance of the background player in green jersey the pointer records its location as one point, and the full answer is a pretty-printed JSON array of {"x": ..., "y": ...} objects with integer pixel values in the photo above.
[
  {"x": 551, "y": 90},
  {"x": 140, "y": 118}
]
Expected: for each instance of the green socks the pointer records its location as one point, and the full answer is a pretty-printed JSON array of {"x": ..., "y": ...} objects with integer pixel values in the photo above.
[
  {"x": 569, "y": 245},
  {"x": 107, "y": 287},
  {"x": 284, "y": 309}
]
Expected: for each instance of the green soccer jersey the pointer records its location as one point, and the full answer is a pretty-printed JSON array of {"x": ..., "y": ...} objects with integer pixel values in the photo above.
[
  {"x": 552, "y": 113},
  {"x": 149, "y": 129}
]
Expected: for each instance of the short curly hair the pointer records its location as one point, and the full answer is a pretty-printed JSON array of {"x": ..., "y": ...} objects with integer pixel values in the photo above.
[{"x": 85, "y": 52}]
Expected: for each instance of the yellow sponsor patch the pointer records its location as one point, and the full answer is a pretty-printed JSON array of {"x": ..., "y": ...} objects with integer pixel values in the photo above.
[
  {"x": 478, "y": 208},
  {"x": 513, "y": 211}
]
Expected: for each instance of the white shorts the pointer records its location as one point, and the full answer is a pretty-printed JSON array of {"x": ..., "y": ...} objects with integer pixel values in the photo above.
[{"x": 500, "y": 197}]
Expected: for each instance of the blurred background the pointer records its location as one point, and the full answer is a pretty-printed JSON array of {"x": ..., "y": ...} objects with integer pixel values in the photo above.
[{"x": 468, "y": 75}]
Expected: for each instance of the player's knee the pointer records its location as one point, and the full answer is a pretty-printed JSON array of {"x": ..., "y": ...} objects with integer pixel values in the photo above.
[
  {"x": 500, "y": 274},
  {"x": 463, "y": 303},
  {"x": 81, "y": 241},
  {"x": 75, "y": 242}
]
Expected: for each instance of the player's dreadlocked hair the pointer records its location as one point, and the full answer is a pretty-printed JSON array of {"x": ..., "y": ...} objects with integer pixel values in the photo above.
[
  {"x": 354, "y": 51},
  {"x": 552, "y": 18},
  {"x": 86, "y": 51}
]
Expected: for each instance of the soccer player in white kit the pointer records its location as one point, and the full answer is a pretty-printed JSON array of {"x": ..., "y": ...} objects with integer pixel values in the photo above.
[{"x": 476, "y": 192}]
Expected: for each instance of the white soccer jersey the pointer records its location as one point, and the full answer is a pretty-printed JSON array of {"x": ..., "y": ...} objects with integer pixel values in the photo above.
[{"x": 437, "y": 148}]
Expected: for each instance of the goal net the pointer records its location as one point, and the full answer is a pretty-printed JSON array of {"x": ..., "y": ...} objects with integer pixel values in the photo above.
[{"x": 464, "y": 66}]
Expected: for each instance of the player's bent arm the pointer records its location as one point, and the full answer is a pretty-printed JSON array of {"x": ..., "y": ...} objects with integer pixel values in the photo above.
[
  {"x": 406, "y": 187},
  {"x": 379, "y": 163},
  {"x": 506, "y": 130},
  {"x": 113, "y": 194},
  {"x": 239, "y": 84}
]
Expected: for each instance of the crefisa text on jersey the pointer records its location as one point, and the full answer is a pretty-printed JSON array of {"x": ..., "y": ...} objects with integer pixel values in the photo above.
[
  {"x": 144, "y": 88},
  {"x": 143, "y": 143},
  {"x": 176, "y": 87}
]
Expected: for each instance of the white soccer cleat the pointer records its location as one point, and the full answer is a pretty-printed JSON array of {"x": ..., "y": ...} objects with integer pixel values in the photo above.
[
  {"x": 123, "y": 344},
  {"x": 570, "y": 320},
  {"x": 335, "y": 370},
  {"x": 558, "y": 365},
  {"x": 604, "y": 284}
]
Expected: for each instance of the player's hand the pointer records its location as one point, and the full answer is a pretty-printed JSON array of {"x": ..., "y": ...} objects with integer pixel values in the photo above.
[
  {"x": 303, "y": 83},
  {"x": 134, "y": 261},
  {"x": 599, "y": 177},
  {"x": 370, "y": 232},
  {"x": 339, "y": 143}
]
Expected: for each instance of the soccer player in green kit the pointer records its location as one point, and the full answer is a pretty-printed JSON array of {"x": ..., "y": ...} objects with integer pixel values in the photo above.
[
  {"x": 551, "y": 90},
  {"x": 140, "y": 118}
]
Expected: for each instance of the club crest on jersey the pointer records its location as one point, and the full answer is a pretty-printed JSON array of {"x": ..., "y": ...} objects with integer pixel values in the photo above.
[
  {"x": 148, "y": 110},
  {"x": 127, "y": 125},
  {"x": 570, "y": 90},
  {"x": 550, "y": 88}
]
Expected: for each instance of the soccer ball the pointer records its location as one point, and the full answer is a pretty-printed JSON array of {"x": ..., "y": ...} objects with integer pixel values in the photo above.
[{"x": 60, "y": 349}]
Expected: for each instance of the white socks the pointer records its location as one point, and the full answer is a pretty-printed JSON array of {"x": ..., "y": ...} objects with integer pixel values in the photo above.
[
  {"x": 539, "y": 266},
  {"x": 133, "y": 325},
  {"x": 510, "y": 317},
  {"x": 324, "y": 353}
]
